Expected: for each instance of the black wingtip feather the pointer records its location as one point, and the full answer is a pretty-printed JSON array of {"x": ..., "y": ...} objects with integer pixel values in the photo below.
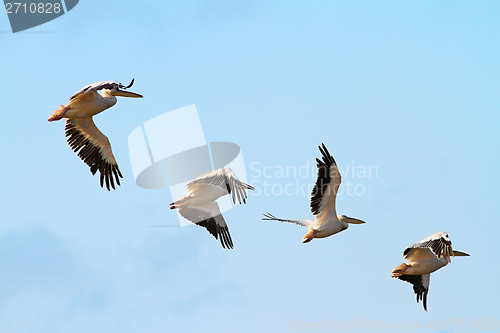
[
  {"x": 418, "y": 288},
  {"x": 91, "y": 155},
  {"x": 221, "y": 234},
  {"x": 323, "y": 180}
]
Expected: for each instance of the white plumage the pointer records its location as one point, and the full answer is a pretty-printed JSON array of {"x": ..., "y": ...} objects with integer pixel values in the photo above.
[
  {"x": 423, "y": 258},
  {"x": 84, "y": 137},
  {"x": 199, "y": 206},
  {"x": 326, "y": 221}
]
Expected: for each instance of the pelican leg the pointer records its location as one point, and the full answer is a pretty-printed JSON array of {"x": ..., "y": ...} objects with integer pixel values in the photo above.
[
  {"x": 309, "y": 236},
  {"x": 399, "y": 271},
  {"x": 59, "y": 113},
  {"x": 176, "y": 204}
]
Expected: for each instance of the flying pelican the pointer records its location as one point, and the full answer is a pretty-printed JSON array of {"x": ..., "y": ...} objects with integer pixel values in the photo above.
[
  {"x": 326, "y": 222},
  {"x": 423, "y": 258},
  {"x": 92, "y": 146},
  {"x": 199, "y": 205}
]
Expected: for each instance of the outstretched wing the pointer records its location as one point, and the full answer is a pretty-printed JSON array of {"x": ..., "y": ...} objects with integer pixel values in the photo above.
[
  {"x": 225, "y": 179},
  {"x": 325, "y": 190},
  {"x": 111, "y": 85},
  {"x": 304, "y": 223},
  {"x": 209, "y": 217},
  {"x": 420, "y": 286},
  {"x": 439, "y": 243},
  {"x": 94, "y": 149}
]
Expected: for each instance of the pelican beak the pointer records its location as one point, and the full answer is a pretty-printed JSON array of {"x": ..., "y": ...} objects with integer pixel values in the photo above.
[
  {"x": 350, "y": 219},
  {"x": 124, "y": 93},
  {"x": 460, "y": 254}
]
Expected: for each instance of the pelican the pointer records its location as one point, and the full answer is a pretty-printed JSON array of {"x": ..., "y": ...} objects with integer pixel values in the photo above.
[
  {"x": 84, "y": 137},
  {"x": 199, "y": 205},
  {"x": 326, "y": 222},
  {"x": 423, "y": 258}
]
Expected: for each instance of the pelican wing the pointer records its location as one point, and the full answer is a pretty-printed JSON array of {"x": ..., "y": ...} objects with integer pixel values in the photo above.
[
  {"x": 225, "y": 179},
  {"x": 420, "y": 286},
  {"x": 304, "y": 223},
  {"x": 439, "y": 243},
  {"x": 112, "y": 85},
  {"x": 94, "y": 149},
  {"x": 325, "y": 190},
  {"x": 209, "y": 217}
]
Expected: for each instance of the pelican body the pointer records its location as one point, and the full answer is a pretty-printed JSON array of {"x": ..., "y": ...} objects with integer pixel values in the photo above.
[
  {"x": 199, "y": 205},
  {"x": 326, "y": 222},
  {"x": 424, "y": 258},
  {"x": 420, "y": 262},
  {"x": 199, "y": 194},
  {"x": 84, "y": 137}
]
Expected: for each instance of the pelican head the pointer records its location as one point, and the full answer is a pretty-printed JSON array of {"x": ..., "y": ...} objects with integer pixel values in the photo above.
[
  {"x": 117, "y": 91},
  {"x": 350, "y": 219}
]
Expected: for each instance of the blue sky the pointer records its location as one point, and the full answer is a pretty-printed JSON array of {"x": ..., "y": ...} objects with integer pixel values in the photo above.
[{"x": 407, "y": 88}]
